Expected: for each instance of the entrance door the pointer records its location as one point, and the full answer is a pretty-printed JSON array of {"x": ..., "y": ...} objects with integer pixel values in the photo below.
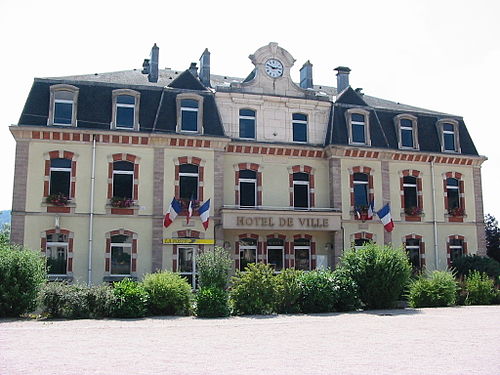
[{"x": 187, "y": 264}]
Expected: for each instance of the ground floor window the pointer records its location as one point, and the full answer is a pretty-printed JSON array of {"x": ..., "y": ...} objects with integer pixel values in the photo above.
[
  {"x": 187, "y": 264},
  {"x": 360, "y": 242},
  {"x": 248, "y": 252},
  {"x": 57, "y": 253},
  {"x": 456, "y": 249},
  {"x": 302, "y": 250},
  {"x": 121, "y": 255},
  {"x": 412, "y": 247},
  {"x": 275, "y": 253}
]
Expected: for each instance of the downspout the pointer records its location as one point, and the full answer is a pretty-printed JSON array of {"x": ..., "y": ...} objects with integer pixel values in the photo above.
[
  {"x": 434, "y": 222},
  {"x": 91, "y": 211}
]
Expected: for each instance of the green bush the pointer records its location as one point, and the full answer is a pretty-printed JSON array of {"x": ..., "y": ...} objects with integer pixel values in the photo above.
[
  {"x": 22, "y": 274},
  {"x": 212, "y": 302},
  {"x": 131, "y": 300},
  {"x": 380, "y": 272},
  {"x": 254, "y": 291},
  {"x": 345, "y": 290},
  {"x": 52, "y": 299},
  {"x": 437, "y": 289},
  {"x": 467, "y": 263},
  {"x": 317, "y": 291},
  {"x": 101, "y": 300},
  {"x": 288, "y": 291},
  {"x": 169, "y": 293},
  {"x": 214, "y": 268},
  {"x": 479, "y": 289}
]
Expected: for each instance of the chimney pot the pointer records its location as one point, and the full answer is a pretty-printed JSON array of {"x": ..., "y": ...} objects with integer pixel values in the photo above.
[
  {"x": 342, "y": 78},
  {"x": 205, "y": 68},
  {"x": 153, "y": 64},
  {"x": 306, "y": 76},
  {"x": 193, "y": 69}
]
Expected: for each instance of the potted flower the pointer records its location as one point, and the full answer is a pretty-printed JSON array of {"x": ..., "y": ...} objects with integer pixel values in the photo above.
[
  {"x": 121, "y": 202},
  {"x": 361, "y": 212},
  {"x": 57, "y": 199},
  {"x": 413, "y": 211},
  {"x": 456, "y": 211}
]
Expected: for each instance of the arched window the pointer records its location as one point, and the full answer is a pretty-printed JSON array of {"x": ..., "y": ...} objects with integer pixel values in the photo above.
[
  {"x": 358, "y": 126},
  {"x": 63, "y": 105},
  {"x": 121, "y": 254},
  {"x": 448, "y": 130},
  {"x": 415, "y": 250},
  {"x": 57, "y": 246},
  {"x": 361, "y": 189}
]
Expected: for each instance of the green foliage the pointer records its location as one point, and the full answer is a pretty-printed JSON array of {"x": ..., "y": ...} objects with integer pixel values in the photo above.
[
  {"x": 380, "y": 272},
  {"x": 60, "y": 300},
  {"x": 131, "y": 299},
  {"x": 214, "y": 268},
  {"x": 327, "y": 291},
  {"x": 22, "y": 273},
  {"x": 288, "y": 291},
  {"x": 467, "y": 263},
  {"x": 492, "y": 237},
  {"x": 437, "y": 289},
  {"x": 479, "y": 289},
  {"x": 254, "y": 291},
  {"x": 212, "y": 302},
  {"x": 169, "y": 293},
  {"x": 5, "y": 235}
]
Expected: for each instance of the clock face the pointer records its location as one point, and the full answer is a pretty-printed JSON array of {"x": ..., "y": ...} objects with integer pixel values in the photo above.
[{"x": 273, "y": 68}]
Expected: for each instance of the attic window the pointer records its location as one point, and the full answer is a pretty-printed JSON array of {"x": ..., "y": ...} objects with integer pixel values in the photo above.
[
  {"x": 358, "y": 126},
  {"x": 63, "y": 105},
  {"x": 189, "y": 113},
  {"x": 125, "y": 109},
  {"x": 406, "y": 130},
  {"x": 448, "y": 130}
]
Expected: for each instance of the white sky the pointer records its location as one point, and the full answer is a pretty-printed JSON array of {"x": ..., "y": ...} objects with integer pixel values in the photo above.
[{"x": 441, "y": 55}]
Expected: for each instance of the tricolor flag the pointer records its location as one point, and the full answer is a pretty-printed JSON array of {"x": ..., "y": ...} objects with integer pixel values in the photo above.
[
  {"x": 204, "y": 212},
  {"x": 370, "y": 211},
  {"x": 385, "y": 216},
  {"x": 173, "y": 211},
  {"x": 190, "y": 210}
]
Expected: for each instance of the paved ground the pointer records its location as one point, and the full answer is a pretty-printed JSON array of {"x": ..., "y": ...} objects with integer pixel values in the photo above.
[{"x": 461, "y": 340}]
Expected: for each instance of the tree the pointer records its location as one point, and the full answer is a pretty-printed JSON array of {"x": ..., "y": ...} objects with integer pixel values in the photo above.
[
  {"x": 5, "y": 234},
  {"x": 492, "y": 237}
]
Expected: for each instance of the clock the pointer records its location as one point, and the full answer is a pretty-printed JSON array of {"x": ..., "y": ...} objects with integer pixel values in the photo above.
[{"x": 273, "y": 68}]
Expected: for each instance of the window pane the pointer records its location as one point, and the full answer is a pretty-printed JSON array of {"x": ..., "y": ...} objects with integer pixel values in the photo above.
[
  {"x": 247, "y": 112},
  {"x": 299, "y": 132},
  {"x": 453, "y": 199},
  {"x": 360, "y": 194},
  {"x": 360, "y": 177},
  {"x": 275, "y": 258},
  {"x": 60, "y": 182},
  {"x": 63, "y": 113},
  {"x": 188, "y": 168},
  {"x": 449, "y": 142},
  {"x": 302, "y": 259},
  {"x": 120, "y": 260},
  {"x": 64, "y": 95},
  {"x": 247, "y": 256},
  {"x": 57, "y": 237},
  {"x": 299, "y": 116},
  {"x": 125, "y": 117},
  {"x": 413, "y": 256},
  {"x": 247, "y": 194},
  {"x": 452, "y": 182},
  {"x": 358, "y": 133},
  {"x": 405, "y": 123},
  {"x": 247, "y": 173},
  {"x": 301, "y": 242},
  {"x": 410, "y": 196},
  {"x": 406, "y": 138},
  {"x": 448, "y": 127},
  {"x": 56, "y": 260},
  {"x": 120, "y": 238},
  {"x": 357, "y": 117},
  {"x": 189, "y": 120},
  {"x": 186, "y": 260},
  {"x": 300, "y": 176},
  {"x": 188, "y": 187},
  {"x": 123, "y": 185},
  {"x": 189, "y": 103},
  {"x": 123, "y": 166},
  {"x": 125, "y": 99},
  {"x": 300, "y": 196},
  {"x": 360, "y": 242},
  {"x": 60, "y": 163},
  {"x": 247, "y": 128}
]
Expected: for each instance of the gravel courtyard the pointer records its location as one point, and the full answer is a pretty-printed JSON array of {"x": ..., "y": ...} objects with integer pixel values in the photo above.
[{"x": 460, "y": 340}]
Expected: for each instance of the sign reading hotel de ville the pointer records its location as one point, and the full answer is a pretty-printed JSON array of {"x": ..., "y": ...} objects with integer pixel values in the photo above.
[{"x": 317, "y": 221}]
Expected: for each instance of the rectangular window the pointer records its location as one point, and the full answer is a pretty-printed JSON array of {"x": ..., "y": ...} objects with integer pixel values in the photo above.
[
  {"x": 123, "y": 179},
  {"x": 410, "y": 191},
  {"x": 275, "y": 250},
  {"x": 125, "y": 111},
  {"x": 302, "y": 250},
  {"x": 248, "y": 188},
  {"x": 188, "y": 181},
  {"x": 412, "y": 247},
  {"x": 358, "y": 128},
  {"x": 56, "y": 252},
  {"x": 300, "y": 190},
  {"x": 63, "y": 112},
  {"x": 456, "y": 249},
  {"x": 248, "y": 252},
  {"x": 60, "y": 176},
  {"x": 406, "y": 133},
  {"x": 360, "y": 242},
  {"x": 360, "y": 189},
  {"x": 449, "y": 137},
  {"x": 247, "y": 123},
  {"x": 187, "y": 264},
  {"x": 189, "y": 115},
  {"x": 299, "y": 127},
  {"x": 121, "y": 255},
  {"x": 453, "y": 193}
]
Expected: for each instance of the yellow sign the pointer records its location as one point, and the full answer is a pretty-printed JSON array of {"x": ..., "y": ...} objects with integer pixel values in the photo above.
[{"x": 184, "y": 241}]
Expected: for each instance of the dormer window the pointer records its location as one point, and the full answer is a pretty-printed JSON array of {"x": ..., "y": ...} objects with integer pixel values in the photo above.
[
  {"x": 247, "y": 123},
  {"x": 449, "y": 135},
  {"x": 189, "y": 113},
  {"x": 125, "y": 109},
  {"x": 358, "y": 126},
  {"x": 63, "y": 103},
  {"x": 299, "y": 127},
  {"x": 406, "y": 130}
]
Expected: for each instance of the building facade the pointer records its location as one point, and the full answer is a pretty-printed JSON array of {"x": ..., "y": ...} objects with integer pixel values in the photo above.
[{"x": 290, "y": 171}]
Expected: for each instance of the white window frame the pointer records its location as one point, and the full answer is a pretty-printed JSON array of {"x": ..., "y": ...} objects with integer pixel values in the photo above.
[
  {"x": 247, "y": 247},
  {"x": 125, "y": 92},
  {"x": 54, "y": 89},
  {"x": 414, "y": 130},
  {"x": 254, "y": 118},
  {"x": 453, "y": 187},
  {"x": 58, "y": 169},
  {"x": 366, "y": 125},
  {"x": 409, "y": 185},
  {"x": 249, "y": 181},
  {"x": 360, "y": 182},
  {"x": 190, "y": 174},
  {"x": 199, "y": 110},
  {"x": 120, "y": 244},
  {"x": 300, "y": 122},
  {"x": 194, "y": 273},
  {"x": 276, "y": 247},
  {"x": 302, "y": 247},
  {"x": 442, "y": 132},
  {"x": 117, "y": 172},
  {"x": 306, "y": 183},
  {"x": 415, "y": 247},
  {"x": 57, "y": 245}
]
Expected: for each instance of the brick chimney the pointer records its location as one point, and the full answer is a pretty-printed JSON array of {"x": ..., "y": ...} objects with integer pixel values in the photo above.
[
  {"x": 205, "y": 68},
  {"x": 306, "y": 75},
  {"x": 342, "y": 78}
]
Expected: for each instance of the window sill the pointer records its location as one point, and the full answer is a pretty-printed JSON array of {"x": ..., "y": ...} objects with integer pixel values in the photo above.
[
  {"x": 132, "y": 210},
  {"x": 53, "y": 208}
]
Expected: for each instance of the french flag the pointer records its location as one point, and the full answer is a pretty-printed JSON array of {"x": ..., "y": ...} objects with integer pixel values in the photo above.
[
  {"x": 204, "y": 212},
  {"x": 173, "y": 211},
  {"x": 371, "y": 210},
  {"x": 385, "y": 216}
]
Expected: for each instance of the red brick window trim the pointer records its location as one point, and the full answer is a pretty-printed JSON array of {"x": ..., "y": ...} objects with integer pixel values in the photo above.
[
  {"x": 300, "y": 248},
  {"x": 455, "y": 247},
  {"x": 129, "y": 248},
  {"x": 200, "y": 163},
  {"x": 268, "y": 251},
  {"x": 361, "y": 238},
  {"x": 47, "y": 240},
  {"x": 242, "y": 182},
  {"x": 362, "y": 207},
  {"x": 297, "y": 184},
  {"x": 60, "y": 154},
  {"x": 135, "y": 173},
  {"x": 410, "y": 186},
  {"x": 410, "y": 243},
  {"x": 248, "y": 246},
  {"x": 454, "y": 196},
  {"x": 185, "y": 233}
]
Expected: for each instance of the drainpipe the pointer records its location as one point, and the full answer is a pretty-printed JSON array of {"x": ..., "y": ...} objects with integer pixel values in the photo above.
[
  {"x": 91, "y": 211},
  {"x": 434, "y": 222}
]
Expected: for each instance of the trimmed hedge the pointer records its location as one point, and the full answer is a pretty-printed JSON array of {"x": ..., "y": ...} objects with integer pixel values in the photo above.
[
  {"x": 288, "y": 291},
  {"x": 131, "y": 300},
  {"x": 433, "y": 290},
  {"x": 169, "y": 293},
  {"x": 212, "y": 302}
]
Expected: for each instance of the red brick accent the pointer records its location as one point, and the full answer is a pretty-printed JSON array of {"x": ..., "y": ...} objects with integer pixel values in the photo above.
[
  {"x": 420, "y": 203},
  {"x": 461, "y": 194},
  {"x": 134, "y": 251},
  {"x": 310, "y": 171},
  {"x": 135, "y": 189},
  {"x": 371, "y": 194},
  {"x": 69, "y": 254},
  {"x": 448, "y": 249},
  {"x": 253, "y": 167},
  {"x": 421, "y": 250}
]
